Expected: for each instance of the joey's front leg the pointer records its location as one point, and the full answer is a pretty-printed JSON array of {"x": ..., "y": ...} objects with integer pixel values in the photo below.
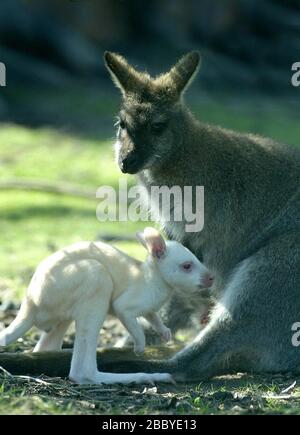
[
  {"x": 158, "y": 325},
  {"x": 135, "y": 330}
]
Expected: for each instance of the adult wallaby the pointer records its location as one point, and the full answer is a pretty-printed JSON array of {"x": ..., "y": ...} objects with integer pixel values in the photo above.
[{"x": 251, "y": 236}]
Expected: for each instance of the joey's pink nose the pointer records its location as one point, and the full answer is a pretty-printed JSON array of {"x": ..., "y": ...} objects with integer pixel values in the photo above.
[{"x": 207, "y": 280}]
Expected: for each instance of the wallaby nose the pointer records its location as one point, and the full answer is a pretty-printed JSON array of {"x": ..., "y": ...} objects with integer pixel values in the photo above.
[
  {"x": 207, "y": 280},
  {"x": 129, "y": 164}
]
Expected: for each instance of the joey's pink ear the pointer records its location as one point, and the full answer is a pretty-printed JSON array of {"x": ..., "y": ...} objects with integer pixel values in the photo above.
[
  {"x": 154, "y": 242},
  {"x": 140, "y": 238}
]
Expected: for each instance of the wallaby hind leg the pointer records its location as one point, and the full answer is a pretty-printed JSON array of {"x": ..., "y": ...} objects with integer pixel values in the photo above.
[
  {"x": 84, "y": 366},
  {"x": 87, "y": 324},
  {"x": 52, "y": 340}
]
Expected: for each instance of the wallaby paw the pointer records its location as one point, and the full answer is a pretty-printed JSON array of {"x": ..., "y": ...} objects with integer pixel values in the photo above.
[
  {"x": 138, "y": 350},
  {"x": 79, "y": 380},
  {"x": 153, "y": 378},
  {"x": 166, "y": 335},
  {"x": 100, "y": 378}
]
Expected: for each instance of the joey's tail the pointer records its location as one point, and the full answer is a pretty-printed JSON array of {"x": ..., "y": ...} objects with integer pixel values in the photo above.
[{"x": 21, "y": 324}]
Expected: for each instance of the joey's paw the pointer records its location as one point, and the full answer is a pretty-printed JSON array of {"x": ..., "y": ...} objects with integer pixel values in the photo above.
[
  {"x": 139, "y": 349},
  {"x": 166, "y": 335},
  {"x": 79, "y": 380},
  {"x": 152, "y": 378}
]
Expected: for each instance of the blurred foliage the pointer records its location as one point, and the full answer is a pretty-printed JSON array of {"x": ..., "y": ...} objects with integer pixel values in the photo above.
[{"x": 247, "y": 46}]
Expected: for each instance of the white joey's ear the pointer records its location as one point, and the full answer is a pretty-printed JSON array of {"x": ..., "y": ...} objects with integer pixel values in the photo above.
[
  {"x": 153, "y": 241},
  {"x": 140, "y": 238}
]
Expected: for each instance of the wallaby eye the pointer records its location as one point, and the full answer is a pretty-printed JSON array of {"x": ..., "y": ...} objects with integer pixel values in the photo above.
[
  {"x": 187, "y": 266},
  {"x": 158, "y": 127},
  {"x": 122, "y": 124}
]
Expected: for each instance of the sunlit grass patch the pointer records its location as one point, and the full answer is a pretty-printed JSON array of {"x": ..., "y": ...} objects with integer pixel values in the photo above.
[{"x": 34, "y": 224}]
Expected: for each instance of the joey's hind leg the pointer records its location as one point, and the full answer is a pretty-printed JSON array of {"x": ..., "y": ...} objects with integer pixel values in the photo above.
[
  {"x": 89, "y": 315},
  {"x": 88, "y": 323},
  {"x": 84, "y": 364},
  {"x": 52, "y": 340}
]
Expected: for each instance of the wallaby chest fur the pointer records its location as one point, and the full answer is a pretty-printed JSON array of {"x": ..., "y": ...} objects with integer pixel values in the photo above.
[{"x": 251, "y": 188}]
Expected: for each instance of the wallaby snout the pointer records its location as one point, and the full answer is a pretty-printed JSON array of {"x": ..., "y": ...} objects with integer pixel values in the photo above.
[
  {"x": 129, "y": 164},
  {"x": 132, "y": 153},
  {"x": 206, "y": 281}
]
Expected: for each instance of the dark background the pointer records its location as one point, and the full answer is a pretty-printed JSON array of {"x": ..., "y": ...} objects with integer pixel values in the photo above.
[{"x": 53, "y": 51}]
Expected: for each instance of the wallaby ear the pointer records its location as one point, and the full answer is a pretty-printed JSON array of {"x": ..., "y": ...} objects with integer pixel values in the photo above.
[
  {"x": 182, "y": 74},
  {"x": 140, "y": 238},
  {"x": 153, "y": 241},
  {"x": 126, "y": 78}
]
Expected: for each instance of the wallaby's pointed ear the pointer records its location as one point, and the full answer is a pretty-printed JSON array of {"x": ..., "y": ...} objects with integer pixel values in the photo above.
[
  {"x": 153, "y": 241},
  {"x": 126, "y": 78},
  {"x": 182, "y": 74}
]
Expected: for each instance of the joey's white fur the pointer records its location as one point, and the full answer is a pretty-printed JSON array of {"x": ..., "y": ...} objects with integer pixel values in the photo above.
[{"x": 87, "y": 280}]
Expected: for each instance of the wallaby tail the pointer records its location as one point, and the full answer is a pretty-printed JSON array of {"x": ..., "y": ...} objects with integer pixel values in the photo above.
[{"x": 21, "y": 324}]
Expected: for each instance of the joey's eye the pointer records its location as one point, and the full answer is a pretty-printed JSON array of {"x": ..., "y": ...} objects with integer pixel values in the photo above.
[
  {"x": 158, "y": 127},
  {"x": 187, "y": 266}
]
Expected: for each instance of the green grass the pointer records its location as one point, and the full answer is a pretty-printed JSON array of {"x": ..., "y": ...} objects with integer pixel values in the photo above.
[
  {"x": 238, "y": 394},
  {"x": 34, "y": 224}
]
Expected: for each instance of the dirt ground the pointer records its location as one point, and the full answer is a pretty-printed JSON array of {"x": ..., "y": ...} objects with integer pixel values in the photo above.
[{"x": 237, "y": 394}]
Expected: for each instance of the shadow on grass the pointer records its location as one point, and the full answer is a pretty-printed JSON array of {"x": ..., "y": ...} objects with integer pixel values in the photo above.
[{"x": 23, "y": 213}]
